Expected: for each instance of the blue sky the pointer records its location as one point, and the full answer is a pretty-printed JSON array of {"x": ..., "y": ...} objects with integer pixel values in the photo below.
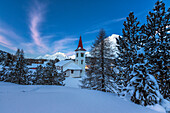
[{"x": 47, "y": 26}]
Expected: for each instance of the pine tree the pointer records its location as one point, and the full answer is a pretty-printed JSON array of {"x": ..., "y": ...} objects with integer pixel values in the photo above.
[
  {"x": 96, "y": 75},
  {"x": 7, "y": 67},
  {"x": 157, "y": 46},
  {"x": 51, "y": 76},
  {"x": 128, "y": 46},
  {"x": 143, "y": 87},
  {"x": 132, "y": 64},
  {"x": 39, "y": 75},
  {"x": 19, "y": 70}
]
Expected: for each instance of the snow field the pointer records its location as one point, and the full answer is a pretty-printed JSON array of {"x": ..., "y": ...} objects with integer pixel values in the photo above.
[{"x": 61, "y": 99}]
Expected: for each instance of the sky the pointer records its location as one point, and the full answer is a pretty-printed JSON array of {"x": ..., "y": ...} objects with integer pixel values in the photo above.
[{"x": 42, "y": 27}]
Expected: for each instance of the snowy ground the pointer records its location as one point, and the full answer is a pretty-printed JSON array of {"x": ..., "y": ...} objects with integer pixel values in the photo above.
[
  {"x": 62, "y": 99},
  {"x": 72, "y": 82}
]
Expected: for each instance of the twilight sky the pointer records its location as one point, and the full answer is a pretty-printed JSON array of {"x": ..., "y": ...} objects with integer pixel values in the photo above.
[{"x": 47, "y": 26}]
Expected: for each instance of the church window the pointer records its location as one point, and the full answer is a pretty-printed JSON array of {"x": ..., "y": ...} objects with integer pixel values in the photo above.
[
  {"x": 77, "y": 54},
  {"x": 81, "y": 61},
  {"x": 82, "y": 54},
  {"x": 72, "y": 71}
]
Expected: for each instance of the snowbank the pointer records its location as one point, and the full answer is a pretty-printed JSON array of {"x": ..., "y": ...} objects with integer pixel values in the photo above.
[{"x": 57, "y": 99}]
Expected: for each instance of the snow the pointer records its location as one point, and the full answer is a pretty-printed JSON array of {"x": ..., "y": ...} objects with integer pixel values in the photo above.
[
  {"x": 112, "y": 40},
  {"x": 61, "y": 99},
  {"x": 63, "y": 62},
  {"x": 158, "y": 108},
  {"x": 166, "y": 104},
  {"x": 72, "y": 57},
  {"x": 72, "y": 66},
  {"x": 88, "y": 54},
  {"x": 36, "y": 65},
  {"x": 59, "y": 55},
  {"x": 72, "y": 82},
  {"x": 68, "y": 64},
  {"x": 1, "y": 67}
]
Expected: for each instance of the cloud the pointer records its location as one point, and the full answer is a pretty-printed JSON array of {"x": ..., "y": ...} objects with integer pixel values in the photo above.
[
  {"x": 4, "y": 42},
  {"x": 9, "y": 33},
  {"x": 113, "y": 21},
  {"x": 96, "y": 28},
  {"x": 36, "y": 17},
  {"x": 63, "y": 43},
  {"x": 91, "y": 32},
  {"x": 70, "y": 53}
]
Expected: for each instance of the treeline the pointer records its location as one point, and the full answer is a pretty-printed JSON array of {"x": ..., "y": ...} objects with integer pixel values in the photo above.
[
  {"x": 15, "y": 70},
  {"x": 142, "y": 66}
]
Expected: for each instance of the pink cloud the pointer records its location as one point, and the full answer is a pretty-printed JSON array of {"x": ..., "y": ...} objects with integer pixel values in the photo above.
[
  {"x": 29, "y": 47},
  {"x": 6, "y": 43},
  {"x": 36, "y": 17},
  {"x": 63, "y": 43},
  {"x": 9, "y": 33},
  {"x": 70, "y": 53}
]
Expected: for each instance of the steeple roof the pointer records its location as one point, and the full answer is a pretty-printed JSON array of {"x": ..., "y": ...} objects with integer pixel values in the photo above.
[{"x": 80, "y": 46}]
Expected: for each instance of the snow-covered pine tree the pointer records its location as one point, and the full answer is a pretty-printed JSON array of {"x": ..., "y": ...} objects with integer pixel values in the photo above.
[
  {"x": 127, "y": 46},
  {"x": 96, "y": 75},
  {"x": 92, "y": 80},
  {"x": 51, "y": 76},
  {"x": 157, "y": 46},
  {"x": 7, "y": 67},
  {"x": 19, "y": 69},
  {"x": 143, "y": 87},
  {"x": 39, "y": 75}
]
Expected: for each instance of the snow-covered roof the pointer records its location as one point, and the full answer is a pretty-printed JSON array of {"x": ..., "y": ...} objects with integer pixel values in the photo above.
[
  {"x": 36, "y": 65},
  {"x": 63, "y": 62},
  {"x": 72, "y": 66}
]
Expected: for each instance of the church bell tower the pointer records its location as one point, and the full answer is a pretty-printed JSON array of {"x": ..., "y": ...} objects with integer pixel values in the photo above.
[{"x": 80, "y": 56}]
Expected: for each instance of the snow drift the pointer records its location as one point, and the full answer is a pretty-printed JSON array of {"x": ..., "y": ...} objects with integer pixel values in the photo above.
[{"x": 57, "y": 99}]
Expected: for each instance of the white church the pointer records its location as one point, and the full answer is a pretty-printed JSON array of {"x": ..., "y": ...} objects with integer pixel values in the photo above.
[{"x": 75, "y": 69}]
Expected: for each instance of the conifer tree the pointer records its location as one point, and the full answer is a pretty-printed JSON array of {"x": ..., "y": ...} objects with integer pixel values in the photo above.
[
  {"x": 19, "y": 70},
  {"x": 39, "y": 75},
  {"x": 157, "y": 46},
  {"x": 128, "y": 46},
  {"x": 133, "y": 65},
  {"x": 51, "y": 76},
  {"x": 96, "y": 75},
  {"x": 7, "y": 67},
  {"x": 143, "y": 87}
]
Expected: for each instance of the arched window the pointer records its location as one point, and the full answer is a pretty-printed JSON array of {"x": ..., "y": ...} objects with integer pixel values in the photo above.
[
  {"x": 81, "y": 61},
  {"x": 77, "y": 54},
  {"x": 82, "y": 54}
]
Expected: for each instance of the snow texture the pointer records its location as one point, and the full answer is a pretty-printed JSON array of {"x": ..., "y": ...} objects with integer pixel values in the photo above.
[
  {"x": 58, "y": 99},
  {"x": 63, "y": 62}
]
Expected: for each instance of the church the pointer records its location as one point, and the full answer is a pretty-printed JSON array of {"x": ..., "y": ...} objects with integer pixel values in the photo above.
[{"x": 74, "y": 68}]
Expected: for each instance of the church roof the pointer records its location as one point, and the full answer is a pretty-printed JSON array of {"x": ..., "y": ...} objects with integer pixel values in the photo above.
[
  {"x": 80, "y": 46},
  {"x": 72, "y": 66},
  {"x": 63, "y": 62}
]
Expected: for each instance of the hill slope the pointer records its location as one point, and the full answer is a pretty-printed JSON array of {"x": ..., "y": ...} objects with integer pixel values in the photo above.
[{"x": 57, "y": 99}]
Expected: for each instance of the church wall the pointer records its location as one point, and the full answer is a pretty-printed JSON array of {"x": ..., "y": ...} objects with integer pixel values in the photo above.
[{"x": 79, "y": 58}]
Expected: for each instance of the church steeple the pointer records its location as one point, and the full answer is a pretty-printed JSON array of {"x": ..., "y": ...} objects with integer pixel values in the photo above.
[
  {"x": 80, "y": 59},
  {"x": 80, "y": 46}
]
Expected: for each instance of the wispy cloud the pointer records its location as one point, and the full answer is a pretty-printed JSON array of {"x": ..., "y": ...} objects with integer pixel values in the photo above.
[
  {"x": 8, "y": 38},
  {"x": 4, "y": 42},
  {"x": 70, "y": 53},
  {"x": 97, "y": 27},
  {"x": 36, "y": 17},
  {"x": 10, "y": 33},
  {"x": 63, "y": 43},
  {"x": 91, "y": 32},
  {"x": 113, "y": 21}
]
